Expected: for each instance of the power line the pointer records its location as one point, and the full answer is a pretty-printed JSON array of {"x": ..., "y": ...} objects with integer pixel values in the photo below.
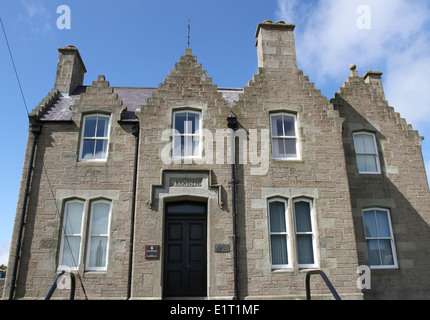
[
  {"x": 43, "y": 165},
  {"x": 13, "y": 63}
]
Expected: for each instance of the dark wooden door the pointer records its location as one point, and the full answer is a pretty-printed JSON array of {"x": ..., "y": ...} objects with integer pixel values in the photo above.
[{"x": 185, "y": 250}]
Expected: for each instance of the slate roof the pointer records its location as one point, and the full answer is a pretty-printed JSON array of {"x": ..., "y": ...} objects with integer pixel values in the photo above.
[{"x": 132, "y": 97}]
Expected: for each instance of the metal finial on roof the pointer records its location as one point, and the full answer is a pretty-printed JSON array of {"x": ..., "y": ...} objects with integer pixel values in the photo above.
[{"x": 189, "y": 33}]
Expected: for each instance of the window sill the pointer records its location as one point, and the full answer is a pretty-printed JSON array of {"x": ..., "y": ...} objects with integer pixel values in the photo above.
[
  {"x": 369, "y": 173},
  {"x": 394, "y": 267},
  {"x": 283, "y": 270},
  {"x": 100, "y": 163},
  {"x": 95, "y": 273},
  {"x": 287, "y": 160}
]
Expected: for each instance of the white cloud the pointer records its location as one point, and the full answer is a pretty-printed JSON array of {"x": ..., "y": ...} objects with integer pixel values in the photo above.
[
  {"x": 4, "y": 252},
  {"x": 397, "y": 43},
  {"x": 36, "y": 17}
]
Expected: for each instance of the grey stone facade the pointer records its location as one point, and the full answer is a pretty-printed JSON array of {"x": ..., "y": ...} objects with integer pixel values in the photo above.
[{"x": 320, "y": 173}]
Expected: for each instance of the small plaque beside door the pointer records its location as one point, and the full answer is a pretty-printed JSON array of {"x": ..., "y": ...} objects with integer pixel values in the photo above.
[
  {"x": 152, "y": 251},
  {"x": 222, "y": 248}
]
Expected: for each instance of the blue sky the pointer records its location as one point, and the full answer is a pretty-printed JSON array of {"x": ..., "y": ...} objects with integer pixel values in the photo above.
[{"x": 135, "y": 43}]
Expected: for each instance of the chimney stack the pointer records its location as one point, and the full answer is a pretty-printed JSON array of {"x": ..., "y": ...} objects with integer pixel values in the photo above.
[
  {"x": 70, "y": 70},
  {"x": 275, "y": 45},
  {"x": 375, "y": 80}
]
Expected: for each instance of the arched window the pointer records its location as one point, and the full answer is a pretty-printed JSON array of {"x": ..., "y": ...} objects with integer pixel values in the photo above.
[
  {"x": 71, "y": 234},
  {"x": 305, "y": 236},
  {"x": 98, "y": 239},
  {"x": 279, "y": 234}
]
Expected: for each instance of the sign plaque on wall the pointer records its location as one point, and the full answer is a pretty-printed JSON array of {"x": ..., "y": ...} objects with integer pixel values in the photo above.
[
  {"x": 222, "y": 248},
  {"x": 152, "y": 251}
]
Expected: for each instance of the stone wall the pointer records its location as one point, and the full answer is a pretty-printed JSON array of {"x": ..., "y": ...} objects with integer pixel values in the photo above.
[{"x": 401, "y": 187}]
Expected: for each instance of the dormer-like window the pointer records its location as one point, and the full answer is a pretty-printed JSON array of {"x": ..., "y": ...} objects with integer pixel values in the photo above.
[
  {"x": 95, "y": 138},
  {"x": 186, "y": 134}
]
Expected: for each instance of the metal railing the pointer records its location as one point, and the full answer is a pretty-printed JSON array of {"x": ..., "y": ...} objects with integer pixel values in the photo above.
[
  {"x": 326, "y": 280},
  {"x": 54, "y": 286}
]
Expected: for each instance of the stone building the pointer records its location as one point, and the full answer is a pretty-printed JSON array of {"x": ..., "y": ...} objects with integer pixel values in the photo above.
[{"x": 192, "y": 190}]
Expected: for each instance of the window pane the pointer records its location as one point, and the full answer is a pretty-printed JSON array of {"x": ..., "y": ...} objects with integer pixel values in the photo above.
[
  {"x": 88, "y": 149},
  {"x": 193, "y": 123},
  {"x": 361, "y": 163},
  {"x": 373, "y": 252},
  {"x": 279, "y": 249},
  {"x": 180, "y": 119},
  {"x": 101, "y": 149},
  {"x": 370, "y": 224},
  {"x": 289, "y": 129},
  {"x": 100, "y": 218},
  {"x": 305, "y": 249},
  {"x": 188, "y": 151},
  {"x": 369, "y": 143},
  {"x": 277, "y": 216},
  {"x": 102, "y": 126},
  {"x": 73, "y": 219},
  {"x": 359, "y": 143},
  {"x": 71, "y": 248},
  {"x": 178, "y": 146},
  {"x": 302, "y": 211},
  {"x": 98, "y": 251},
  {"x": 277, "y": 127},
  {"x": 90, "y": 126},
  {"x": 386, "y": 252},
  {"x": 278, "y": 148},
  {"x": 290, "y": 148},
  {"x": 383, "y": 223},
  {"x": 196, "y": 146},
  {"x": 371, "y": 165}
]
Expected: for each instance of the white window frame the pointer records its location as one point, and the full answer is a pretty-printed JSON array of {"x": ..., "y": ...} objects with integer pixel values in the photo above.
[
  {"x": 286, "y": 234},
  {"x": 391, "y": 238},
  {"x": 284, "y": 137},
  {"x": 376, "y": 155},
  {"x": 90, "y": 235},
  {"x": 77, "y": 259},
  {"x": 197, "y": 135},
  {"x": 312, "y": 233},
  {"x": 94, "y": 138}
]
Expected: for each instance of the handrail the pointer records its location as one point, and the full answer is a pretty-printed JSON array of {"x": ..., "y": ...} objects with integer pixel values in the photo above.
[
  {"x": 54, "y": 286},
  {"x": 326, "y": 280}
]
